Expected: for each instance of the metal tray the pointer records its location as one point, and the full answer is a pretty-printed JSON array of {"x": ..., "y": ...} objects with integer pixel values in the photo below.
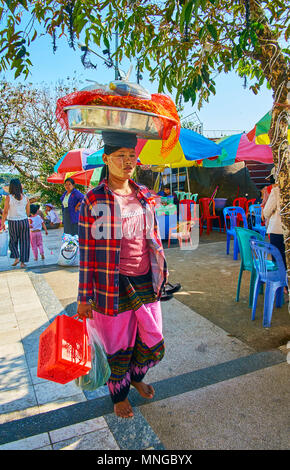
[{"x": 95, "y": 119}]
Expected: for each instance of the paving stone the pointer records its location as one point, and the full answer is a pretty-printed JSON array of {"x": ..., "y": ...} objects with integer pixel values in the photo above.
[
  {"x": 11, "y": 350},
  {"x": 134, "y": 433},
  {"x": 6, "y": 318},
  {"x": 50, "y": 391},
  {"x": 30, "y": 443},
  {"x": 62, "y": 403},
  {"x": 10, "y": 336},
  {"x": 98, "y": 440},
  {"x": 77, "y": 429},
  {"x": 14, "y": 377},
  {"x": 17, "y": 399},
  {"x": 8, "y": 323}
]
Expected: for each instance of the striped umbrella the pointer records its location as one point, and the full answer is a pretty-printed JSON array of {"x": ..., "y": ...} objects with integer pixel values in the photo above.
[{"x": 78, "y": 160}]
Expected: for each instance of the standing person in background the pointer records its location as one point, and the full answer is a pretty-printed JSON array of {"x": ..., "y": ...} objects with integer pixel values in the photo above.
[
  {"x": 16, "y": 211},
  {"x": 271, "y": 212},
  {"x": 36, "y": 224},
  {"x": 71, "y": 201}
]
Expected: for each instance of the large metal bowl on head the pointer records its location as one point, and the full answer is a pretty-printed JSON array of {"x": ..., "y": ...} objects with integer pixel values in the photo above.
[{"x": 95, "y": 119}]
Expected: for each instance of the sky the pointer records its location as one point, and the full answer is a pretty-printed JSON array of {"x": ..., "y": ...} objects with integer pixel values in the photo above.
[{"x": 233, "y": 108}]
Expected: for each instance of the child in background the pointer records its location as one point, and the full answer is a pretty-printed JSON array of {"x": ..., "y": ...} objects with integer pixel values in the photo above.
[{"x": 36, "y": 223}]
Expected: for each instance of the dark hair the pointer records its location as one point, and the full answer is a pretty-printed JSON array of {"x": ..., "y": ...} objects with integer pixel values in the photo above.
[
  {"x": 33, "y": 209},
  {"x": 104, "y": 172},
  {"x": 70, "y": 180},
  {"x": 15, "y": 188},
  {"x": 272, "y": 179},
  {"x": 108, "y": 149}
]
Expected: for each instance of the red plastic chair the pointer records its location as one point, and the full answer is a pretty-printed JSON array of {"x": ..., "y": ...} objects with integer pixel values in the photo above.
[
  {"x": 188, "y": 212},
  {"x": 207, "y": 206},
  {"x": 249, "y": 203},
  {"x": 240, "y": 202}
]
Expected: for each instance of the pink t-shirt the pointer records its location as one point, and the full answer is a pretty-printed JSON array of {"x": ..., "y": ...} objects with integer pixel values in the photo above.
[{"x": 134, "y": 255}]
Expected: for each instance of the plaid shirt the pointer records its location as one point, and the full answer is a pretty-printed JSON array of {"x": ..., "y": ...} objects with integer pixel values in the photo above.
[{"x": 100, "y": 233}]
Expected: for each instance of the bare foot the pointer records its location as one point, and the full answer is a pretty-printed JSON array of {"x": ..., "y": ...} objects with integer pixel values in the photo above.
[
  {"x": 22, "y": 265},
  {"x": 123, "y": 409},
  {"x": 146, "y": 391},
  {"x": 15, "y": 262}
]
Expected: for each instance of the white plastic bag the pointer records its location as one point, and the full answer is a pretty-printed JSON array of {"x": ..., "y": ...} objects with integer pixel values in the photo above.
[
  {"x": 4, "y": 243},
  {"x": 100, "y": 371},
  {"x": 69, "y": 251}
]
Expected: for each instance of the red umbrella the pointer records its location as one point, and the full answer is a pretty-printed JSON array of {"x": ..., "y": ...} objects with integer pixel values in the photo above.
[
  {"x": 56, "y": 178},
  {"x": 84, "y": 177},
  {"x": 74, "y": 160}
]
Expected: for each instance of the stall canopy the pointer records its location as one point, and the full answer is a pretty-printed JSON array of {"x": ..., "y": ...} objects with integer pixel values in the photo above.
[
  {"x": 190, "y": 147},
  {"x": 238, "y": 148},
  {"x": 260, "y": 133}
]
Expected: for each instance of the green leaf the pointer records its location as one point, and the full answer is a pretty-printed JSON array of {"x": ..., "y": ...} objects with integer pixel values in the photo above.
[
  {"x": 212, "y": 30},
  {"x": 188, "y": 11},
  {"x": 205, "y": 74},
  {"x": 106, "y": 42}
]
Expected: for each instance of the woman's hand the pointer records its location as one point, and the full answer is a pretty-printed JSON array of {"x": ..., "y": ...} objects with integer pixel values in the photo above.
[
  {"x": 85, "y": 311},
  {"x": 77, "y": 206}
]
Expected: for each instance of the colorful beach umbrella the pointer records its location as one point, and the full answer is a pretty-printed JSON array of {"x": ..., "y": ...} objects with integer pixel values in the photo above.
[
  {"x": 59, "y": 178},
  {"x": 238, "y": 148},
  {"x": 56, "y": 178},
  {"x": 260, "y": 133},
  {"x": 88, "y": 177},
  {"x": 78, "y": 160},
  {"x": 190, "y": 147}
]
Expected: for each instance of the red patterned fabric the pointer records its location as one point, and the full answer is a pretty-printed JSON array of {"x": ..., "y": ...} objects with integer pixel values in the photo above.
[{"x": 159, "y": 104}]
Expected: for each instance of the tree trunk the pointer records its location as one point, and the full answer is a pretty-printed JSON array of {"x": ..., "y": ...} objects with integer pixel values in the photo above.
[{"x": 276, "y": 71}]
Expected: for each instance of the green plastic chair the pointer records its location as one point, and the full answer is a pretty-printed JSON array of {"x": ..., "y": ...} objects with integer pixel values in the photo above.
[
  {"x": 170, "y": 209},
  {"x": 181, "y": 195},
  {"x": 244, "y": 236},
  {"x": 194, "y": 197}
]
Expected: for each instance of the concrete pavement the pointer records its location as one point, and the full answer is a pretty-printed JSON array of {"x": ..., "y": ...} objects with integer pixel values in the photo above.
[{"x": 212, "y": 390}]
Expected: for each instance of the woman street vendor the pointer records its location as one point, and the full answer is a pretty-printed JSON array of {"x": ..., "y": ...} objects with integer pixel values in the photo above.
[
  {"x": 122, "y": 272},
  {"x": 71, "y": 201}
]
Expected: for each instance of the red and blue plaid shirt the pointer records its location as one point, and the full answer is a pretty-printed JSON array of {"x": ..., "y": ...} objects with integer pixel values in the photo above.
[{"x": 100, "y": 232}]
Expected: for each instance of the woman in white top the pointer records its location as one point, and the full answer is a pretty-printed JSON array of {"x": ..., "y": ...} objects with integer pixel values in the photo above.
[
  {"x": 16, "y": 211},
  {"x": 271, "y": 212}
]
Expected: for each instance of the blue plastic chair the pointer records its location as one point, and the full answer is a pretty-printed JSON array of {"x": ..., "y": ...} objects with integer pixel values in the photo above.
[
  {"x": 231, "y": 222},
  {"x": 244, "y": 235},
  {"x": 274, "y": 281},
  {"x": 255, "y": 211}
]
